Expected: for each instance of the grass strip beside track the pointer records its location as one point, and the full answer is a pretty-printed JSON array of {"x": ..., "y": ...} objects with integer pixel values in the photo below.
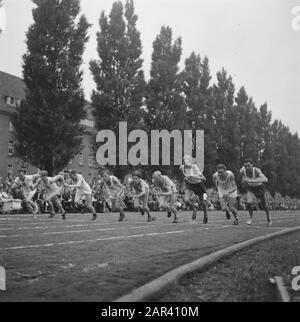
[
  {"x": 243, "y": 277},
  {"x": 155, "y": 289}
]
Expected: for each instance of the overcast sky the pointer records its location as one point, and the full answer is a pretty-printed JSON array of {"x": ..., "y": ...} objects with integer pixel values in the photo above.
[{"x": 252, "y": 39}]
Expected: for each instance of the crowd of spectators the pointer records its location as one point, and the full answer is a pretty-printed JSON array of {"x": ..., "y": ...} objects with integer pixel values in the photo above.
[{"x": 7, "y": 192}]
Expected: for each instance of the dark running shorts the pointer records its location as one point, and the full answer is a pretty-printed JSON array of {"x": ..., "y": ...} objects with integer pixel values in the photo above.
[
  {"x": 198, "y": 188},
  {"x": 259, "y": 193}
]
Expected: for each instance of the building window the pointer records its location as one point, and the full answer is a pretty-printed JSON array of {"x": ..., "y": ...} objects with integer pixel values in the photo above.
[
  {"x": 67, "y": 176},
  {"x": 12, "y": 101},
  {"x": 91, "y": 161},
  {"x": 11, "y": 149},
  {"x": 80, "y": 158},
  {"x": 25, "y": 166},
  {"x": 10, "y": 169}
]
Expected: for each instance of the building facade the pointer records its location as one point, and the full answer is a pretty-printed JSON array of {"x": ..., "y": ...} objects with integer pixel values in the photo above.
[{"x": 12, "y": 91}]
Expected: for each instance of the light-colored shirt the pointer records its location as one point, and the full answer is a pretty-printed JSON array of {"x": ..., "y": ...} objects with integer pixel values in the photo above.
[
  {"x": 81, "y": 185},
  {"x": 141, "y": 186},
  {"x": 27, "y": 184},
  {"x": 227, "y": 185},
  {"x": 193, "y": 174},
  {"x": 166, "y": 184}
]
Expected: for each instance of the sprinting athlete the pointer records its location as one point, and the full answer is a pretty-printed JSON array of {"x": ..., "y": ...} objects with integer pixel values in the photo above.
[
  {"x": 194, "y": 184},
  {"x": 166, "y": 195},
  {"x": 225, "y": 185},
  {"x": 139, "y": 189},
  {"x": 115, "y": 191},
  {"x": 83, "y": 190},
  {"x": 52, "y": 191},
  {"x": 27, "y": 184},
  {"x": 252, "y": 180}
]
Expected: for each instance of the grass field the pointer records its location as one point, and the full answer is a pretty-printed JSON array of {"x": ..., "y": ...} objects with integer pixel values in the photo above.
[
  {"x": 79, "y": 260},
  {"x": 243, "y": 277}
]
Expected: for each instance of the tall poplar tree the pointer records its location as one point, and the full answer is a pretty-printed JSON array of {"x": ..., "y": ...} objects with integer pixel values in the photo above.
[
  {"x": 118, "y": 73},
  {"x": 47, "y": 125}
]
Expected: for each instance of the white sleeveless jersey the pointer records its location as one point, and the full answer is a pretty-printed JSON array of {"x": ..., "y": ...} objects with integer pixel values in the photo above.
[
  {"x": 51, "y": 186},
  {"x": 192, "y": 175},
  {"x": 227, "y": 186},
  {"x": 166, "y": 183},
  {"x": 84, "y": 186},
  {"x": 26, "y": 184}
]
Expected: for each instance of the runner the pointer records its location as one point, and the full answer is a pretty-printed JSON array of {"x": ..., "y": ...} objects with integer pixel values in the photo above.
[
  {"x": 26, "y": 183},
  {"x": 252, "y": 180},
  {"x": 226, "y": 188},
  {"x": 115, "y": 191},
  {"x": 83, "y": 190},
  {"x": 52, "y": 191},
  {"x": 140, "y": 193},
  {"x": 166, "y": 194},
  {"x": 194, "y": 184}
]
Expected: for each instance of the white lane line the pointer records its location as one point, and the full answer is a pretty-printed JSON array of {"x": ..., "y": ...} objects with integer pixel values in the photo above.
[
  {"x": 112, "y": 238},
  {"x": 76, "y": 231},
  {"x": 257, "y": 220},
  {"x": 68, "y": 226}
]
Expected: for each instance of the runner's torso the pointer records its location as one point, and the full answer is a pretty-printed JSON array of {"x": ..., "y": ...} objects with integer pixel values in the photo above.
[
  {"x": 26, "y": 184},
  {"x": 84, "y": 187},
  {"x": 192, "y": 174},
  {"x": 111, "y": 183},
  {"x": 165, "y": 183},
  {"x": 226, "y": 184},
  {"x": 137, "y": 187},
  {"x": 51, "y": 185},
  {"x": 252, "y": 174}
]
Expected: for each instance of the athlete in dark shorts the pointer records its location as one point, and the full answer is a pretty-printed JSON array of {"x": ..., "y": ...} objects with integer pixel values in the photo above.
[
  {"x": 252, "y": 181},
  {"x": 194, "y": 184}
]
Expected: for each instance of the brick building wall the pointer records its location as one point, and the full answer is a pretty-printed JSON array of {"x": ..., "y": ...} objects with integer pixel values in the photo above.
[{"x": 11, "y": 92}]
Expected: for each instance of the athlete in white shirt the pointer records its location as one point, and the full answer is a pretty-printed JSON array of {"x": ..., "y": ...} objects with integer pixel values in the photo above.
[
  {"x": 225, "y": 185},
  {"x": 194, "y": 184},
  {"x": 115, "y": 191},
  {"x": 83, "y": 190},
  {"x": 26, "y": 183},
  {"x": 139, "y": 189},
  {"x": 51, "y": 192},
  {"x": 166, "y": 194}
]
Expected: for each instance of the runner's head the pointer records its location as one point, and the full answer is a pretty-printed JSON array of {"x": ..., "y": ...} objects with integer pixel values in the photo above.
[
  {"x": 21, "y": 174},
  {"x": 73, "y": 175},
  {"x": 44, "y": 176},
  {"x": 248, "y": 164},
  {"x": 136, "y": 176},
  {"x": 43, "y": 173},
  {"x": 221, "y": 168},
  {"x": 187, "y": 160},
  {"x": 106, "y": 175},
  {"x": 157, "y": 177}
]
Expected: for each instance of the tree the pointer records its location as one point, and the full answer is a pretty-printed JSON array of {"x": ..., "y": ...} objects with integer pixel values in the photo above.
[
  {"x": 47, "y": 125},
  {"x": 118, "y": 74},
  {"x": 225, "y": 120},
  {"x": 166, "y": 108},
  {"x": 164, "y": 101},
  {"x": 198, "y": 97}
]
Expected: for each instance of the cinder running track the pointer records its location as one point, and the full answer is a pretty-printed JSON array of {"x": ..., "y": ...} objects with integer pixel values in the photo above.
[{"x": 79, "y": 260}]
